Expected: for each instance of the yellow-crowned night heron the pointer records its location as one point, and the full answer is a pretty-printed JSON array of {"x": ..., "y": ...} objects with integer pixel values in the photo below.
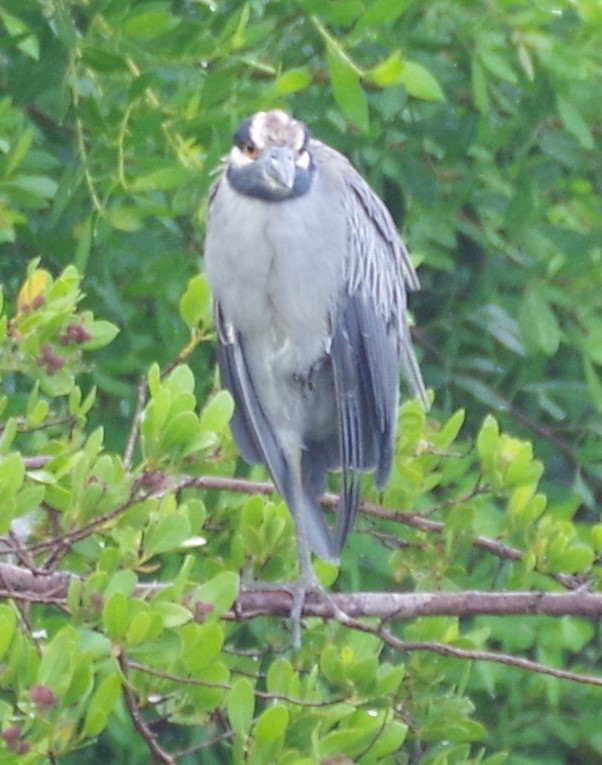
[{"x": 308, "y": 276}]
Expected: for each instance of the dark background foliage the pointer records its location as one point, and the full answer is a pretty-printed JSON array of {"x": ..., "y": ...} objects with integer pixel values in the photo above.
[{"x": 487, "y": 157}]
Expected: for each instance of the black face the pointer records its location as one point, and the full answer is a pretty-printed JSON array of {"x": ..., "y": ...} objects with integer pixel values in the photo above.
[{"x": 270, "y": 159}]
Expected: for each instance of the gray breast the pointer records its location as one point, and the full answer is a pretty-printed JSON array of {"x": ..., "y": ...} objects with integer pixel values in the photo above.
[{"x": 276, "y": 270}]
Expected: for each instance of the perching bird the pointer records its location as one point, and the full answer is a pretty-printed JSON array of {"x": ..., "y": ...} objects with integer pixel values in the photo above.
[{"x": 309, "y": 282}]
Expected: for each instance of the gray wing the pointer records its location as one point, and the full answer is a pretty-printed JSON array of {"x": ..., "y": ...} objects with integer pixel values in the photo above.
[
  {"x": 370, "y": 337},
  {"x": 258, "y": 444},
  {"x": 250, "y": 427}
]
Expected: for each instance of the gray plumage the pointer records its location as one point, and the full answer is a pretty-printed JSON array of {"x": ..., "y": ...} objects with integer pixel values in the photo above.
[{"x": 309, "y": 281}]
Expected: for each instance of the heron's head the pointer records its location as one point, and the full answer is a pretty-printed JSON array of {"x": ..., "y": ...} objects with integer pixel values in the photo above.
[{"x": 270, "y": 157}]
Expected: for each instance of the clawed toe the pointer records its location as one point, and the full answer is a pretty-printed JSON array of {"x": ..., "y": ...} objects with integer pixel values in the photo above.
[
  {"x": 306, "y": 585},
  {"x": 300, "y": 589}
]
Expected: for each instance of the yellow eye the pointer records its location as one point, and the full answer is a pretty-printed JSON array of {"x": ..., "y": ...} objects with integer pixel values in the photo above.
[{"x": 249, "y": 148}]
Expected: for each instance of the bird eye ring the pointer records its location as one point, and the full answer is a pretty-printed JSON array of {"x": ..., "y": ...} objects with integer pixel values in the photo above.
[{"x": 249, "y": 148}]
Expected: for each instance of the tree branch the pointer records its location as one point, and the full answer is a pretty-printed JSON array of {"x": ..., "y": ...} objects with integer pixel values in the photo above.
[
  {"x": 22, "y": 584},
  {"x": 134, "y": 711},
  {"x": 474, "y": 654},
  {"x": 407, "y": 605}
]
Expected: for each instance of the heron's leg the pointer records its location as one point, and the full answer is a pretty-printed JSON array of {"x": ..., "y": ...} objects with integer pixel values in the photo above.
[{"x": 307, "y": 581}]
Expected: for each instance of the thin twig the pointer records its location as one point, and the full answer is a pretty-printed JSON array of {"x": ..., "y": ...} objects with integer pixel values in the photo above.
[
  {"x": 414, "y": 520},
  {"x": 81, "y": 532},
  {"x": 142, "y": 391},
  {"x": 225, "y": 736},
  {"x": 131, "y": 702},
  {"x": 161, "y": 483},
  {"x": 476, "y": 655},
  {"x": 132, "y": 439},
  {"x": 228, "y": 687}
]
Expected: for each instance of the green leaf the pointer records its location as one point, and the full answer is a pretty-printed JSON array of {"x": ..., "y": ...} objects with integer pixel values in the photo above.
[
  {"x": 12, "y": 475},
  {"x": 347, "y": 90},
  {"x": 122, "y": 581},
  {"x": 538, "y": 323},
  {"x": 575, "y": 559},
  {"x": 8, "y": 625},
  {"x": 82, "y": 681},
  {"x": 115, "y": 615},
  {"x": 282, "y": 678},
  {"x": 180, "y": 432},
  {"x": 420, "y": 83},
  {"x": 169, "y": 533},
  {"x": 240, "y": 707},
  {"x": 143, "y": 23},
  {"x": 36, "y": 185},
  {"x": 573, "y": 122},
  {"x": 389, "y": 740},
  {"x": 172, "y": 614},
  {"x": 124, "y": 218},
  {"x": 389, "y": 71},
  {"x": 154, "y": 379},
  {"x": 221, "y": 592},
  {"x": 28, "y": 42},
  {"x": 84, "y": 243},
  {"x": 195, "y": 303},
  {"x": 488, "y": 440},
  {"x": 101, "y": 705},
  {"x": 449, "y": 432},
  {"x": 389, "y": 678},
  {"x": 382, "y": 13},
  {"x": 7, "y": 436},
  {"x": 138, "y": 628},
  {"x": 102, "y": 333},
  {"x": 202, "y": 644},
  {"x": 496, "y": 759},
  {"x": 292, "y": 81},
  {"x": 496, "y": 63},
  {"x": 218, "y": 412},
  {"x": 480, "y": 94},
  {"x": 56, "y": 666},
  {"x": 271, "y": 724},
  {"x": 346, "y": 741},
  {"x": 172, "y": 176},
  {"x": 20, "y": 147},
  {"x": 180, "y": 380},
  {"x": 594, "y": 383}
]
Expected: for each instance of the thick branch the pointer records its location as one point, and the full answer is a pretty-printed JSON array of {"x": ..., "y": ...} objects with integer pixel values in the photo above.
[
  {"x": 24, "y": 585},
  {"x": 406, "y": 605},
  {"x": 16, "y": 582},
  {"x": 21, "y": 583}
]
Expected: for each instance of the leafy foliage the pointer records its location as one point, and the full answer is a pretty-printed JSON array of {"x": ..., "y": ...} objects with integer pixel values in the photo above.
[{"x": 479, "y": 125}]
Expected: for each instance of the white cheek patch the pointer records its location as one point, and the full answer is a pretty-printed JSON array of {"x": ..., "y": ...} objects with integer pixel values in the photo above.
[
  {"x": 257, "y": 129},
  {"x": 303, "y": 160},
  {"x": 239, "y": 158},
  {"x": 300, "y": 137}
]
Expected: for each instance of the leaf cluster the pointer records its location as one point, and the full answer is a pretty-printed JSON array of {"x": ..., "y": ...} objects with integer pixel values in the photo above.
[{"x": 142, "y": 635}]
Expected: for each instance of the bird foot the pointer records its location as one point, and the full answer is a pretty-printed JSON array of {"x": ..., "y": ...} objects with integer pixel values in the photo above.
[{"x": 307, "y": 584}]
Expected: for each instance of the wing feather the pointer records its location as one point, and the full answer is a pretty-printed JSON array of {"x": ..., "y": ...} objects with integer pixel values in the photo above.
[
  {"x": 370, "y": 338},
  {"x": 250, "y": 427},
  {"x": 258, "y": 444}
]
